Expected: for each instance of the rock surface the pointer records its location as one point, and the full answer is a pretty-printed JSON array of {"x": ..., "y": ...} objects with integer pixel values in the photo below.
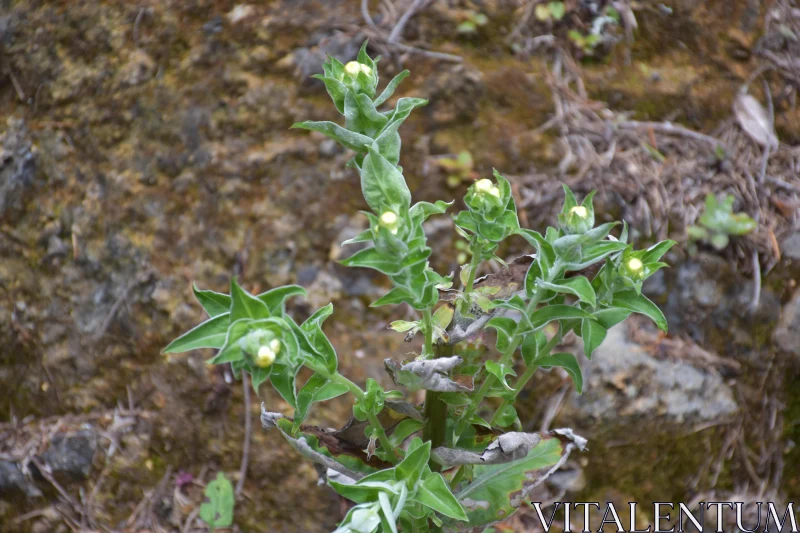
[{"x": 628, "y": 385}]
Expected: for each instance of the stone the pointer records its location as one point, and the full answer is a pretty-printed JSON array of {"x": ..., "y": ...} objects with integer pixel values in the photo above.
[
  {"x": 787, "y": 332},
  {"x": 625, "y": 383},
  {"x": 18, "y": 169},
  {"x": 790, "y": 246}
]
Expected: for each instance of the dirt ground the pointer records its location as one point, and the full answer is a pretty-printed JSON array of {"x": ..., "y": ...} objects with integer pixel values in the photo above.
[{"x": 146, "y": 145}]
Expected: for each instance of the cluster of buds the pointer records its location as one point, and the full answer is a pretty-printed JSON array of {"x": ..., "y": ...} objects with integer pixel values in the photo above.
[
  {"x": 485, "y": 186},
  {"x": 262, "y": 345},
  {"x": 359, "y": 77}
]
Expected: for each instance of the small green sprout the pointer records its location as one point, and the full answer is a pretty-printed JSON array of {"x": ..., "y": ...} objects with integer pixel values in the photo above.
[{"x": 719, "y": 223}]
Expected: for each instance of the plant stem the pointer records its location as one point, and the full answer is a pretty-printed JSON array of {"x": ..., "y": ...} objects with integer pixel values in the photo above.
[
  {"x": 371, "y": 417},
  {"x": 382, "y": 438},
  {"x": 355, "y": 390},
  {"x": 477, "y": 250},
  {"x": 428, "y": 321},
  {"x": 526, "y": 376},
  {"x": 436, "y": 411},
  {"x": 490, "y": 380}
]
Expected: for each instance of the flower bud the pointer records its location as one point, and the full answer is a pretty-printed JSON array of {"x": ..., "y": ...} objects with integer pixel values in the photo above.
[
  {"x": 634, "y": 268},
  {"x": 579, "y": 211},
  {"x": 578, "y": 220},
  {"x": 353, "y": 68},
  {"x": 266, "y": 355},
  {"x": 484, "y": 186},
  {"x": 494, "y": 191},
  {"x": 390, "y": 221}
]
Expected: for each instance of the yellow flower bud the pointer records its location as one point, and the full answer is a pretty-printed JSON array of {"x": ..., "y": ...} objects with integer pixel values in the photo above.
[
  {"x": 353, "y": 68},
  {"x": 265, "y": 356},
  {"x": 484, "y": 186},
  {"x": 635, "y": 266},
  {"x": 389, "y": 220},
  {"x": 579, "y": 211},
  {"x": 366, "y": 70},
  {"x": 494, "y": 191}
]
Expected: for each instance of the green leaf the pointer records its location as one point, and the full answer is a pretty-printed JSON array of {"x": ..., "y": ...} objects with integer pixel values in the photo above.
[
  {"x": 638, "y": 303},
  {"x": 361, "y": 116},
  {"x": 410, "y": 469},
  {"x": 497, "y": 490},
  {"x": 349, "y": 139},
  {"x": 405, "y": 429},
  {"x": 566, "y": 361},
  {"x": 209, "y": 334},
  {"x": 500, "y": 371},
  {"x": 372, "y": 258},
  {"x": 506, "y": 416},
  {"x": 532, "y": 346},
  {"x": 318, "y": 388},
  {"x": 593, "y": 334},
  {"x": 395, "y": 296},
  {"x": 577, "y": 286},
  {"x": 549, "y": 313},
  {"x": 276, "y": 298},
  {"x": 655, "y": 252},
  {"x": 611, "y": 316},
  {"x": 594, "y": 253},
  {"x": 336, "y": 89},
  {"x": 435, "y": 493},
  {"x": 426, "y": 209},
  {"x": 382, "y": 184},
  {"x": 505, "y": 328},
  {"x": 245, "y": 305},
  {"x": 215, "y": 303},
  {"x": 218, "y": 510},
  {"x": 390, "y": 88},
  {"x": 556, "y": 9}
]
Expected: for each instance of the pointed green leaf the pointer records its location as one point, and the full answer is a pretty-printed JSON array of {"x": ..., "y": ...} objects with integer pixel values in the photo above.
[
  {"x": 638, "y": 303},
  {"x": 276, "y": 298},
  {"x": 577, "y": 286},
  {"x": 383, "y": 185},
  {"x": 372, "y": 258},
  {"x": 390, "y": 88},
  {"x": 593, "y": 334},
  {"x": 549, "y": 313},
  {"x": 215, "y": 303},
  {"x": 349, "y": 139},
  {"x": 435, "y": 493},
  {"x": 245, "y": 305},
  {"x": 209, "y": 334},
  {"x": 500, "y": 371},
  {"x": 566, "y": 361},
  {"x": 497, "y": 491},
  {"x": 410, "y": 469}
]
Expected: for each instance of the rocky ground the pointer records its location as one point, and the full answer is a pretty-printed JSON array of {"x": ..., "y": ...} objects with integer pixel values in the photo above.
[{"x": 145, "y": 146}]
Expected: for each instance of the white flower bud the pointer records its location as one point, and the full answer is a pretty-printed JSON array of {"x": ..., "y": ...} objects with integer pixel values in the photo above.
[
  {"x": 389, "y": 220},
  {"x": 484, "y": 186},
  {"x": 635, "y": 266},
  {"x": 275, "y": 345},
  {"x": 579, "y": 211},
  {"x": 494, "y": 191},
  {"x": 265, "y": 356},
  {"x": 353, "y": 68},
  {"x": 365, "y": 69}
]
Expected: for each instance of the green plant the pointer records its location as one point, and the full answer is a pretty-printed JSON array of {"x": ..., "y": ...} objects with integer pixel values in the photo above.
[
  {"x": 460, "y": 168},
  {"x": 463, "y": 473},
  {"x": 550, "y": 11},
  {"x": 218, "y": 510},
  {"x": 473, "y": 21},
  {"x": 718, "y": 223}
]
